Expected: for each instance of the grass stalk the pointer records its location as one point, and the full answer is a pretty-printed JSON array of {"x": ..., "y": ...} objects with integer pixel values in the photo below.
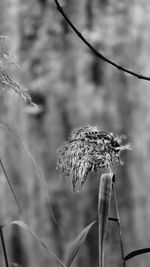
[
  {"x": 4, "y": 247},
  {"x": 13, "y": 191},
  {"x": 37, "y": 169}
]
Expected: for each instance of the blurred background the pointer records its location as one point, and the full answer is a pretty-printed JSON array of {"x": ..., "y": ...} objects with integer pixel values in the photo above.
[{"x": 74, "y": 88}]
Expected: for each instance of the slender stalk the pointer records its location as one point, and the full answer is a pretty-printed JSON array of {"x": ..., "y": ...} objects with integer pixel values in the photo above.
[
  {"x": 37, "y": 169},
  {"x": 13, "y": 191},
  {"x": 119, "y": 224},
  {"x": 4, "y": 247}
]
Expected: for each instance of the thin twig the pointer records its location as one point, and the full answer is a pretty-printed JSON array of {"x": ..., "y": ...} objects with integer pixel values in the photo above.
[
  {"x": 98, "y": 54},
  {"x": 119, "y": 225},
  {"x": 3, "y": 247}
]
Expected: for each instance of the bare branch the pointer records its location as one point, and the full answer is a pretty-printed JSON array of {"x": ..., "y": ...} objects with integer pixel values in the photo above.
[{"x": 98, "y": 54}]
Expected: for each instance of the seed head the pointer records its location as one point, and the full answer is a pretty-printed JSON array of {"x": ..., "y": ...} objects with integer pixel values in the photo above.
[{"x": 87, "y": 149}]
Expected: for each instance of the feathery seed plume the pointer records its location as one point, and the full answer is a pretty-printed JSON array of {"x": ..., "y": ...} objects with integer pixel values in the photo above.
[{"x": 87, "y": 149}]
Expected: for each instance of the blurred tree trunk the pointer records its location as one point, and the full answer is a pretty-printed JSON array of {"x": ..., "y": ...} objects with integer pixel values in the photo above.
[{"x": 74, "y": 88}]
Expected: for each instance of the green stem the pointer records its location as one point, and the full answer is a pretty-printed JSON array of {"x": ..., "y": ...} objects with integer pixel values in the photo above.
[
  {"x": 119, "y": 225},
  {"x": 3, "y": 247}
]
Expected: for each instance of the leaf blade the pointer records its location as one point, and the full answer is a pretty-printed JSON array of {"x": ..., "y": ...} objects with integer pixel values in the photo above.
[
  {"x": 25, "y": 227},
  {"x": 105, "y": 190},
  {"x": 77, "y": 244}
]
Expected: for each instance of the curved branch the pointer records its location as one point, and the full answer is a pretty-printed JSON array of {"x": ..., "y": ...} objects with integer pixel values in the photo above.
[
  {"x": 135, "y": 253},
  {"x": 98, "y": 54}
]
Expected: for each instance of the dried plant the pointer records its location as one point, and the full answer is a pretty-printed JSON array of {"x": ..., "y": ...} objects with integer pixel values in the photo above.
[
  {"x": 7, "y": 84},
  {"x": 87, "y": 149}
]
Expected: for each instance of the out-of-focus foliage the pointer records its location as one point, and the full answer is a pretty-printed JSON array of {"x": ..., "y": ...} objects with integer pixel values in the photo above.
[{"x": 6, "y": 83}]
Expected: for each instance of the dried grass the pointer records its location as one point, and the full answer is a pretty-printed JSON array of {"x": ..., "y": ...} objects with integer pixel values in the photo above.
[{"x": 87, "y": 149}]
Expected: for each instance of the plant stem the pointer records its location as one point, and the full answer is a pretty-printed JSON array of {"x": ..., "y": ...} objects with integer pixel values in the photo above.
[
  {"x": 37, "y": 169},
  {"x": 119, "y": 224},
  {"x": 3, "y": 247}
]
